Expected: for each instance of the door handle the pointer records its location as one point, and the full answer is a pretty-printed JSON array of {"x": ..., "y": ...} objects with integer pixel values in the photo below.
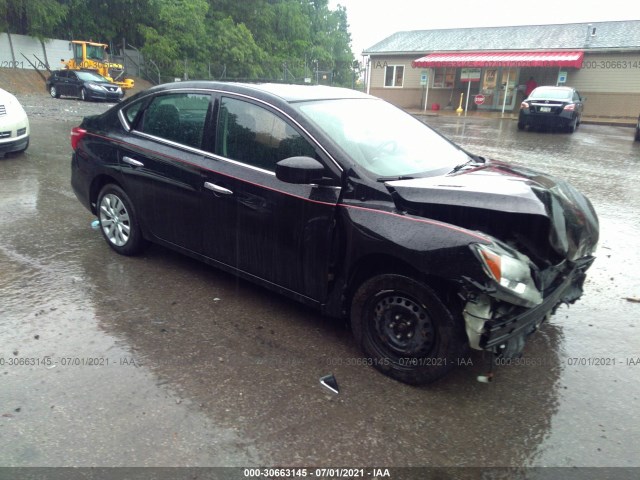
[
  {"x": 217, "y": 188},
  {"x": 132, "y": 162}
]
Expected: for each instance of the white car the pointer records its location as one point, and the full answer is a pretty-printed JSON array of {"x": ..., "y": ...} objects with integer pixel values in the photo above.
[{"x": 14, "y": 125}]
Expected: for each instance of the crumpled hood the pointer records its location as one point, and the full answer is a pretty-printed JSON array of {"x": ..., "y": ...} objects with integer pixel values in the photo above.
[{"x": 512, "y": 191}]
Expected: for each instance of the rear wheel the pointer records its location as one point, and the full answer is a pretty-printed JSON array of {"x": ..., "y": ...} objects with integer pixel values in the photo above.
[
  {"x": 521, "y": 125},
  {"x": 53, "y": 91},
  {"x": 405, "y": 330},
  {"x": 118, "y": 221},
  {"x": 573, "y": 125},
  {"x": 83, "y": 94}
]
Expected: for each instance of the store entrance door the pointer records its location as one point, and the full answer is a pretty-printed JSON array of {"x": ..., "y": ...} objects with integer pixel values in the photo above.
[
  {"x": 496, "y": 81},
  {"x": 508, "y": 87}
]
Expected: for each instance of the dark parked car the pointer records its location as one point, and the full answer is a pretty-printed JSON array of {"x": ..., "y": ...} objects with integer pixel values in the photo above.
[
  {"x": 553, "y": 107},
  {"x": 82, "y": 84},
  {"x": 637, "y": 137},
  {"x": 345, "y": 203}
]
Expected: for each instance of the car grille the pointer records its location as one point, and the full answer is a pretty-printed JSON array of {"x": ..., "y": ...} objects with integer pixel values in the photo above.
[
  {"x": 3, "y": 110},
  {"x": 5, "y": 134}
]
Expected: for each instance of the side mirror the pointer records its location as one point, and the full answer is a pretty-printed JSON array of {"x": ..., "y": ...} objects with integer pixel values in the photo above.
[{"x": 299, "y": 170}]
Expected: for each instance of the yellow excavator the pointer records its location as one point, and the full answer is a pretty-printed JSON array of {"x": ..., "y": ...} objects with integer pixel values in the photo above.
[{"x": 93, "y": 56}]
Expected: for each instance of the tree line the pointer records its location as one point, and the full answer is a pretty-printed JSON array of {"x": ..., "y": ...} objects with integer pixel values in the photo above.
[{"x": 286, "y": 40}]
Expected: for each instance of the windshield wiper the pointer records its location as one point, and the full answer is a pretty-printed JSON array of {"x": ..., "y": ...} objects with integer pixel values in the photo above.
[
  {"x": 388, "y": 179},
  {"x": 473, "y": 160}
]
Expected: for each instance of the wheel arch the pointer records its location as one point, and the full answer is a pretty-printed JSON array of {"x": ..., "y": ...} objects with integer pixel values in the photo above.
[
  {"x": 372, "y": 265},
  {"x": 97, "y": 185}
]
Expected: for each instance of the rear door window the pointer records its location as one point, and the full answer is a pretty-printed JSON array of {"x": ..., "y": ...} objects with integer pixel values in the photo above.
[{"x": 177, "y": 117}]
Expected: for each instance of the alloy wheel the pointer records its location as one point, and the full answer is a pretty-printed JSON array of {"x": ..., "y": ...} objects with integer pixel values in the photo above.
[{"x": 114, "y": 219}]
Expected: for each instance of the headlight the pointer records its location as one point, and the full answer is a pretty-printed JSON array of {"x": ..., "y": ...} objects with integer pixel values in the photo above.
[
  {"x": 94, "y": 86},
  {"x": 511, "y": 271}
]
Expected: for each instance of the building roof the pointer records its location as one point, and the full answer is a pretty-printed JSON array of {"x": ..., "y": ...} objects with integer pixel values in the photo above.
[{"x": 608, "y": 35}]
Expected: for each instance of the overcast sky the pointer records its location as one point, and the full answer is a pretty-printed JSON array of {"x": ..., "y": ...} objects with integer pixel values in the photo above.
[{"x": 371, "y": 21}]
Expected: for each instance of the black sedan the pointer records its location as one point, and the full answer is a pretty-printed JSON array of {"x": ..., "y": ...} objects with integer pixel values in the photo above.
[
  {"x": 637, "y": 137},
  {"x": 345, "y": 203},
  {"x": 84, "y": 85},
  {"x": 552, "y": 107}
]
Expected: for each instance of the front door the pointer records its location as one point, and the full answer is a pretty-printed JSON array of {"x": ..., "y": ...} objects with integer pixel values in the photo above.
[{"x": 253, "y": 222}]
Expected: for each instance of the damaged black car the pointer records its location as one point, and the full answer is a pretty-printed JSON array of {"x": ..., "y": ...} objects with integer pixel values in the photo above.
[{"x": 346, "y": 203}]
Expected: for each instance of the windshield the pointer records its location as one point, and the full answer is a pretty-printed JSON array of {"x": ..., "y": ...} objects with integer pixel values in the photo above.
[
  {"x": 382, "y": 138},
  {"x": 91, "y": 77},
  {"x": 95, "y": 52}
]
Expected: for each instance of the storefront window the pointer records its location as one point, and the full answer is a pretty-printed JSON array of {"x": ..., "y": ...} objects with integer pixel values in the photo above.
[
  {"x": 394, "y": 76},
  {"x": 444, "y": 77}
]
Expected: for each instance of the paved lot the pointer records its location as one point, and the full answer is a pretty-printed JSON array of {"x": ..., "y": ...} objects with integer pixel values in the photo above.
[{"x": 160, "y": 360}]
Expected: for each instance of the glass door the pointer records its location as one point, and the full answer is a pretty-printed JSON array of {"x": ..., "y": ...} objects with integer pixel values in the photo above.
[
  {"x": 488, "y": 88},
  {"x": 508, "y": 86}
]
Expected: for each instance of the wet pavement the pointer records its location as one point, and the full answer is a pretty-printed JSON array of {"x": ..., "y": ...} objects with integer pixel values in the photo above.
[{"x": 160, "y": 360}]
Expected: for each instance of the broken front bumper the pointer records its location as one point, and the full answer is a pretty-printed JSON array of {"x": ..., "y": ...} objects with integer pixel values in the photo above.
[{"x": 490, "y": 328}]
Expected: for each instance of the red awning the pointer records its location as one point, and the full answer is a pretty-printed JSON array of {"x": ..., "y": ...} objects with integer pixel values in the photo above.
[{"x": 501, "y": 59}]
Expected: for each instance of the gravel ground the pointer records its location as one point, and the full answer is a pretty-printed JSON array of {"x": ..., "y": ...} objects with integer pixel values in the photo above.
[{"x": 72, "y": 109}]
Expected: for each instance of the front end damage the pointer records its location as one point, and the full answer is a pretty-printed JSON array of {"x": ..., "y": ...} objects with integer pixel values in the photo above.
[
  {"x": 542, "y": 235},
  {"x": 496, "y": 321}
]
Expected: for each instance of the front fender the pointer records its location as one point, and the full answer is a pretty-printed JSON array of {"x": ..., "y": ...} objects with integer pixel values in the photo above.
[{"x": 433, "y": 248}]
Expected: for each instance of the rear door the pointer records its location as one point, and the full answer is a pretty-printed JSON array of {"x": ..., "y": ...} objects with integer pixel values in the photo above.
[
  {"x": 161, "y": 164},
  {"x": 275, "y": 231},
  {"x": 62, "y": 82}
]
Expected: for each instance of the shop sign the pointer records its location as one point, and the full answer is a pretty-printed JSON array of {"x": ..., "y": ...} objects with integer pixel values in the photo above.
[{"x": 470, "y": 74}]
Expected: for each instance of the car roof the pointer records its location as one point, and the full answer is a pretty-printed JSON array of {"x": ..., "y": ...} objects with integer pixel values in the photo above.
[
  {"x": 289, "y": 93},
  {"x": 553, "y": 87}
]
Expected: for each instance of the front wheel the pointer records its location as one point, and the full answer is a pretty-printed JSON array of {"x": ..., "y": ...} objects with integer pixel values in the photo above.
[
  {"x": 53, "y": 91},
  {"x": 118, "y": 221},
  {"x": 405, "y": 330},
  {"x": 83, "y": 94}
]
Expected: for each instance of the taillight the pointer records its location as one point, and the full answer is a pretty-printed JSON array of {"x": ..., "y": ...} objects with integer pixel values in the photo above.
[
  {"x": 76, "y": 135},
  {"x": 524, "y": 105},
  {"x": 571, "y": 107}
]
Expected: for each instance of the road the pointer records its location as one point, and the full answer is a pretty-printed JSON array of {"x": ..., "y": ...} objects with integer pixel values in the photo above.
[{"x": 159, "y": 360}]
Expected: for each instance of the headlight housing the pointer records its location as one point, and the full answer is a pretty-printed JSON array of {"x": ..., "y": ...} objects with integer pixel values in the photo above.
[
  {"x": 95, "y": 86},
  {"x": 510, "y": 271}
]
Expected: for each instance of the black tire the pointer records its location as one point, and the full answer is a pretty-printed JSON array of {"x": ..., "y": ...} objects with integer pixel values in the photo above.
[
  {"x": 118, "y": 221},
  {"x": 53, "y": 91},
  {"x": 83, "y": 94},
  {"x": 638, "y": 133},
  {"x": 521, "y": 126},
  {"x": 405, "y": 330},
  {"x": 572, "y": 126}
]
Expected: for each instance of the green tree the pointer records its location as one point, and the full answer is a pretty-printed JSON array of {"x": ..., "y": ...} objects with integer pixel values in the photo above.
[
  {"x": 233, "y": 51},
  {"x": 107, "y": 22},
  {"x": 39, "y": 18},
  {"x": 177, "y": 35}
]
